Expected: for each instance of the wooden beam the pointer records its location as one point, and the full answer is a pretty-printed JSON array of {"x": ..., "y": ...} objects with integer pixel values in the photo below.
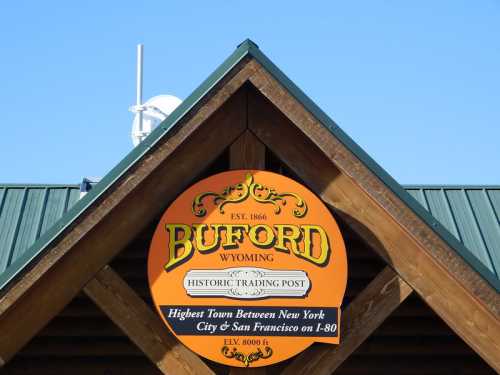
[
  {"x": 112, "y": 294},
  {"x": 247, "y": 152},
  {"x": 247, "y": 371},
  {"x": 465, "y": 301},
  {"x": 361, "y": 318},
  {"x": 442, "y": 278},
  {"x": 113, "y": 220}
]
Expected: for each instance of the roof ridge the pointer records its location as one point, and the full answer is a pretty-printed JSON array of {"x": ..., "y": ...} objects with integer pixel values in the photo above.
[
  {"x": 126, "y": 163},
  {"x": 246, "y": 48}
]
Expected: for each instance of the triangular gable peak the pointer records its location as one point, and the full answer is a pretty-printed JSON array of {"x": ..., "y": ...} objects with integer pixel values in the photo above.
[{"x": 250, "y": 103}]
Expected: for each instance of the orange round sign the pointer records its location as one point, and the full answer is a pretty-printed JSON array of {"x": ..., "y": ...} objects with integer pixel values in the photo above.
[{"x": 248, "y": 268}]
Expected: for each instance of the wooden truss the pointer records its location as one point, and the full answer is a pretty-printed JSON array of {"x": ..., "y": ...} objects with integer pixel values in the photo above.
[{"x": 246, "y": 112}]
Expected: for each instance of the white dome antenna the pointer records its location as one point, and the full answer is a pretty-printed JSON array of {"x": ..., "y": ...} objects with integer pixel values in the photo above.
[{"x": 150, "y": 114}]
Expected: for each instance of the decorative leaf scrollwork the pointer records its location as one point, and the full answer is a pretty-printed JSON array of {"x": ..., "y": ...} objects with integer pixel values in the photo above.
[
  {"x": 231, "y": 194},
  {"x": 246, "y": 359},
  {"x": 240, "y": 192}
]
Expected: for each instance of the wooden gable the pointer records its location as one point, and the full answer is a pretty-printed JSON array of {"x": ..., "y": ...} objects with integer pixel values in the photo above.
[{"x": 250, "y": 112}]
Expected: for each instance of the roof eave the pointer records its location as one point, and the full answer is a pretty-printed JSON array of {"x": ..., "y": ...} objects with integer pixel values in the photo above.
[
  {"x": 246, "y": 48},
  {"x": 374, "y": 167}
]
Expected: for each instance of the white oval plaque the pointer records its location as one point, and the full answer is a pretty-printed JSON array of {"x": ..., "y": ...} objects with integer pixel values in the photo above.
[{"x": 246, "y": 283}]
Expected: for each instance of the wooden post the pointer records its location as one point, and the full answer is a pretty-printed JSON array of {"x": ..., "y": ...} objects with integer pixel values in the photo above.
[
  {"x": 363, "y": 315},
  {"x": 107, "y": 226},
  {"x": 457, "y": 293},
  {"x": 247, "y": 152},
  {"x": 113, "y": 295}
]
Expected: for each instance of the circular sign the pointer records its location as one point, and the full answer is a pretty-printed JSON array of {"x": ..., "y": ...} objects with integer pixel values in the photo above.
[{"x": 248, "y": 268}]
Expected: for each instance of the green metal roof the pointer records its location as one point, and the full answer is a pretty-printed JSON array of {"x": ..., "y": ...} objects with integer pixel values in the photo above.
[
  {"x": 248, "y": 48},
  {"x": 471, "y": 214},
  {"x": 27, "y": 211}
]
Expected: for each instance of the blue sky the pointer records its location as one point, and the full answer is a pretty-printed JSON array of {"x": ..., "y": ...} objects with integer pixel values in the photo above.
[{"x": 417, "y": 85}]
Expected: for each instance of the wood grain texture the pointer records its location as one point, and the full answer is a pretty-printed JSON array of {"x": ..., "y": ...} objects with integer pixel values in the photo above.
[
  {"x": 141, "y": 325},
  {"x": 85, "y": 366},
  {"x": 365, "y": 314},
  {"x": 458, "y": 294},
  {"x": 349, "y": 165},
  {"x": 113, "y": 220},
  {"x": 454, "y": 291},
  {"x": 247, "y": 152},
  {"x": 82, "y": 334}
]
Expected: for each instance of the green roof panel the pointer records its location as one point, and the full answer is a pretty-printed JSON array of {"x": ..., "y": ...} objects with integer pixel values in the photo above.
[
  {"x": 30, "y": 221},
  {"x": 9, "y": 219},
  {"x": 26, "y": 212},
  {"x": 469, "y": 214},
  {"x": 465, "y": 239}
]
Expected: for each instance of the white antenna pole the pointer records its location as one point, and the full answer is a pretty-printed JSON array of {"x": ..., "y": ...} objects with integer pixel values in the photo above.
[
  {"x": 140, "y": 50},
  {"x": 148, "y": 115}
]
